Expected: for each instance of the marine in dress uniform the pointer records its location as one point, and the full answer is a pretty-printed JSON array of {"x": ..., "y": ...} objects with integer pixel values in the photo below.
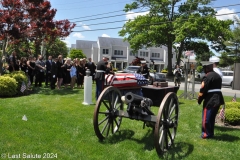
[
  {"x": 100, "y": 75},
  {"x": 144, "y": 70},
  {"x": 210, "y": 92}
]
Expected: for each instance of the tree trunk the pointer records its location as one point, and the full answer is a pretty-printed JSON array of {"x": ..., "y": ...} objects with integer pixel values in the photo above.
[
  {"x": 180, "y": 50},
  {"x": 169, "y": 59}
]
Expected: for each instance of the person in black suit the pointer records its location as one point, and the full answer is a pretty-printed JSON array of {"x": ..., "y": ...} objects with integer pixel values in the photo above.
[
  {"x": 92, "y": 67},
  {"x": 48, "y": 70},
  {"x": 54, "y": 72},
  {"x": 100, "y": 75}
]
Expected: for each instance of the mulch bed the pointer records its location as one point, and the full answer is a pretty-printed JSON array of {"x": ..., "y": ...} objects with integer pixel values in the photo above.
[{"x": 221, "y": 123}]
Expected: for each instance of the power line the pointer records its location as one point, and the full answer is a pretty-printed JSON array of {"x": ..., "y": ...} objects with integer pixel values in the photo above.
[
  {"x": 94, "y": 6},
  {"x": 121, "y": 10},
  {"x": 134, "y": 13},
  {"x": 152, "y": 24},
  {"x": 107, "y": 17},
  {"x": 97, "y": 14},
  {"x": 105, "y": 23},
  {"x": 84, "y": 20}
]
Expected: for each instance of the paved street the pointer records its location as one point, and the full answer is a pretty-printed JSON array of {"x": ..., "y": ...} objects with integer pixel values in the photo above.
[{"x": 226, "y": 90}]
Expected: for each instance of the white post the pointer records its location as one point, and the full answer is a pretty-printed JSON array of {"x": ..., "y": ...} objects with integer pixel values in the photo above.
[{"x": 87, "y": 90}]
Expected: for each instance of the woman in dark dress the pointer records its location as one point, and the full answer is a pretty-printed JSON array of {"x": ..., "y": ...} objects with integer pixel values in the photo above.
[
  {"x": 23, "y": 65},
  {"x": 80, "y": 73},
  {"x": 31, "y": 68},
  {"x": 60, "y": 73},
  {"x": 67, "y": 69}
]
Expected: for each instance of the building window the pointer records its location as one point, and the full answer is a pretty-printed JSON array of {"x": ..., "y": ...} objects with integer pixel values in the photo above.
[
  {"x": 143, "y": 54},
  {"x": 157, "y": 55},
  {"x": 119, "y": 52},
  {"x": 140, "y": 53},
  {"x": 146, "y": 54},
  {"x": 105, "y": 51}
]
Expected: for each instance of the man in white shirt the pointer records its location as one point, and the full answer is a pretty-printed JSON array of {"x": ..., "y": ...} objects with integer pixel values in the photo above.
[{"x": 215, "y": 68}]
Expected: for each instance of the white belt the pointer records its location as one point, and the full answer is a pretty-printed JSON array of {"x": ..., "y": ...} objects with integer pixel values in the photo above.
[
  {"x": 214, "y": 90},
  {"x": 100, "y": 71}
]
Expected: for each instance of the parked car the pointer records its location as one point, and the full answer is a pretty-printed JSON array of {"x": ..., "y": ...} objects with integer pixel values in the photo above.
[
  {"x": 156, "y": 77},
  {"x": 200, "y": 75},
  {"x": 227, "y": 78},
  {"x": 130, "y": 69}
]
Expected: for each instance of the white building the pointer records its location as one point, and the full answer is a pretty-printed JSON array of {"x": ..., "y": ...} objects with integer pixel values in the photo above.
[{"x": 120, "y": 53}]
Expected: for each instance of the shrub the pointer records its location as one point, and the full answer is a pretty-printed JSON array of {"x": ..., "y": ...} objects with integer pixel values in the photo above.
[
  {"x": 115, "y": 69},
  {"x": 19, "y": 76},
  {"x": 164, "y": 71},
  {"x": 232, "y": 113},
  {"x": 8, "y": 86},
  {"x": 232, "y": 116},
  {"x": 229, "y": 105}
]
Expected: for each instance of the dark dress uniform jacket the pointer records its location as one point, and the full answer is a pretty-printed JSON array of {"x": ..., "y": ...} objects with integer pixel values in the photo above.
[
  {"x": 211, "y": 90},
  {"x": 101, "y": 68}
]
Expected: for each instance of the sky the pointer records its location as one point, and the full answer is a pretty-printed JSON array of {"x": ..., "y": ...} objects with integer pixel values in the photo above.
[{"x": 92, "y": 16}]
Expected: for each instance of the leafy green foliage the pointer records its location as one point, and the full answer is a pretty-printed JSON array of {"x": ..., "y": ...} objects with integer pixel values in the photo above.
[
  {"x": 232, "y": 116},
  {"x": 232, "y": 113},
  {"x": 8, "y": 86},
  {"x": 20, "y": 77},
  {"x": 56, "y": 48},
  {"x": 199, "y": 69},
  {"x": 170, "y": 22},
  {"x": 76, "y": 53},
  {"x": 232, "y": 53}
]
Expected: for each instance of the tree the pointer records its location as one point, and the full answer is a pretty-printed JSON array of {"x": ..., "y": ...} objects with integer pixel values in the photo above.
[
  {"x": 76, "y": 53},
  {"x": 57, "y": 47},
  {"x": 166, "y": 25},
  {"x": 232, "y": 54},
  {"x": 25, "y": 21}
]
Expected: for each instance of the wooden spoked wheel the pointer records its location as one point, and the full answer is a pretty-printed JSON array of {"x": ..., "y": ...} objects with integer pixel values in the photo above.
[
  {"x": 106, "y": 120},
  {"x": 166, "y": 123}
]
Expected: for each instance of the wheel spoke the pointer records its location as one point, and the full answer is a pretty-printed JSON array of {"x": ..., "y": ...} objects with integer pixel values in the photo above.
[
  {"x": 106, "y": 121},
  {"x": 108, "y": 128},
  {"x": 103, "y": 120},
  {"x": 166, "y": 124},
  {"x": 115, "y": 102},
  {"x": 108, "y": 108},
  {"x": 107, "y": 124}
]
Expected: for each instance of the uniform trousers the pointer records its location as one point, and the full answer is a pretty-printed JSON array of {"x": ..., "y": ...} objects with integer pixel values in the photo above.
[
  {"x": 99, "y": 87},
  {"x": 208, "y": 121}
]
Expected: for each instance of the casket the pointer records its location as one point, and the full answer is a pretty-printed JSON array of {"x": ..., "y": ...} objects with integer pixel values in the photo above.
[{"x": 125, "y": 80}]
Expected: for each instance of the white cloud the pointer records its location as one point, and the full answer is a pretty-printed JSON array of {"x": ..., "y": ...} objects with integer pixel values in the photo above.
[
  {"x": 105, "y": 35},
  {"x": 132, "y": 15},
  {"x": 84, "y": 26},
  {"x": 78, "y": 35},
  {"x": 226, "y": 14}
]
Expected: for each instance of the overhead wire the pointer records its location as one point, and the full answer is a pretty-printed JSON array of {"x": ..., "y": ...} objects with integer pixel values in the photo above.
[
  {"x": 120, "y": 11},
  {"x": 152, "y": 24},
  {"x": 143, "y": 12}
]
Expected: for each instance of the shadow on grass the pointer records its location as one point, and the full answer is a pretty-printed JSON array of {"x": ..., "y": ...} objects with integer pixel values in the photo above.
[
  {"x": 127, "y": 134},
  {"x": 48, "y": 91},
  {"x": 179, "y": 151},
  {"x": 226, "y": 137}
]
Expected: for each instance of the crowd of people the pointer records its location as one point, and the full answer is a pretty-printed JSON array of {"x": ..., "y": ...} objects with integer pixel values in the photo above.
[{"x": 54, "y": 72}]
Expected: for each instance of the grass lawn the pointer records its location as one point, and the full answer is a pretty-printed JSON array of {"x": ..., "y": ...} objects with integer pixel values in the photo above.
[{"x": 59, "y": 124}]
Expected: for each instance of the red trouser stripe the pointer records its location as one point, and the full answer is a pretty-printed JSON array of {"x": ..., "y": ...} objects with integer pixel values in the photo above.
[{"x": 204, "y": 122}]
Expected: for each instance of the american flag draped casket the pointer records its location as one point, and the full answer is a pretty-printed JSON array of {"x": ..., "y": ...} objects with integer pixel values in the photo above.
[{"x": 125, "y": 80}]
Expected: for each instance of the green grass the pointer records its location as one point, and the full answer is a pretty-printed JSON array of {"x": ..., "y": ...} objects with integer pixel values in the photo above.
[{"x": 59, "y": 123}]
